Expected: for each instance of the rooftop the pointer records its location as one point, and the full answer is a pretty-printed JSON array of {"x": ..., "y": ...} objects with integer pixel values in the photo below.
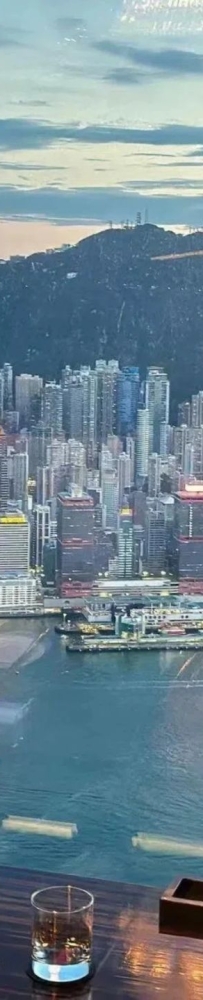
[{"x": 196, "y": 497}]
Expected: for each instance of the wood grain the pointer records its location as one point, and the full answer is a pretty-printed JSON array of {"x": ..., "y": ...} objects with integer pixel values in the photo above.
[{"x": 131, "y": 959}]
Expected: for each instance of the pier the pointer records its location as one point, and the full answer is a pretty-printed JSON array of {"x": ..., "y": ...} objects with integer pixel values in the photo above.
[{"x": 144, "y": 644}]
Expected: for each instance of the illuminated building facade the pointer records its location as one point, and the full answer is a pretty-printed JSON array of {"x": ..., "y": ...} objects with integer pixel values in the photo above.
[
  {"x": 75, "y": 541},
  {"x": 18, "y": 593},
  {"x": 128, "y": 398},
  {"x": 157, "y": 403},
  {"x": 125, "y": 543},
  {"x": 188, "y": 533},
  {"x": 41, "y": 532},
  {"x": 14, "y": 544}
]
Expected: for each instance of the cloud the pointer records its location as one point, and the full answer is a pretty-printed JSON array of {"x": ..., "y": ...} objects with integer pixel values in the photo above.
[
  {"x": 171, "y": 182},
  {"x": 195, "y": 153},
  {"x": 31, "y": 167},
  {"x": 16, "y": 38},
  {"x": 30, "y": 104},
  {"x": 123, "y": 77},
  {"x": 172, "y": 62},
  {"x": 70, "y": 23},
  {"x": 23, "y": 133},
  {"x": 99, "y": 205}
]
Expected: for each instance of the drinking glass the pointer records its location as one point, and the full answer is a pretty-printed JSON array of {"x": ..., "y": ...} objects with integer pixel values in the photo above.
[{"x": 62, "y": 933}]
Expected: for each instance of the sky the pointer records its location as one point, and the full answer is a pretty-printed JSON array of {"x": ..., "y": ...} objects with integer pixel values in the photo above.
[{"x": 100, "y": 118}]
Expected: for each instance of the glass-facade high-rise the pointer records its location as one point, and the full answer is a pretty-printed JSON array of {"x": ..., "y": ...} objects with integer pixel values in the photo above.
[
  {"x": 14, "y": 544},
  {"x": 41, "y": 531},
  {"x": 52, "y": 407},
  {"x": 128, "y": 400},
  {"x": 125, "y": 544},
  {"x": 188, "y": 533},
  {"x": 155, "y": 540},
  {"x": 75, "y": 541},
  {"x": 8, "y": 386},
  {"x": 27, "y": 389},
  {"x": 157, "y": 402},
  {"x": 142, "y": 448},
  {"x": 107, "y": 376}
]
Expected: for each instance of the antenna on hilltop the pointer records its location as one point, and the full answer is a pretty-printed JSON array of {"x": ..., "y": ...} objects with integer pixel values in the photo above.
[
  {"x": 146, "y": 217},
  {"x": 139, "y": 219}
]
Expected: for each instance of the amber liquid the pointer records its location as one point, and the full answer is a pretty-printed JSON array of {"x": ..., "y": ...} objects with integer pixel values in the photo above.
[{"x": 61, "y": 948}]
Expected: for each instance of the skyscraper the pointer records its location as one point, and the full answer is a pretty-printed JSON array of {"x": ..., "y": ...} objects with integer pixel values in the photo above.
[
  {"x": 125, "y": 543},
  {"x": 27, "y": 388},
  {"x": 85, "y": 382},
  {"x": 76, "y": 407},
  {"x": 8, "y": 386},
  {"x": 49, "y": 563},
  {"x": 53, "y": 407},
  {"x": 20, "y": 477},
  {"x": 36, "y": 450},
  {"x": 124, "y": 475},
  {"x": 188, "y": 533},
  {"x": 75, "y": 541},
  {"x": 92, "y": 431},
  {"x": 196, "y": 410},
  {"x": 165, "y": 439},
  {"x": 44, "y": 483},
  {"x": 4, "y": 482},
  {"x": 155, "y": 540},
  {"x": 76, "y": 464},
  {"x": 196, "y": 443},
  {"x": 189, "y": 463},
  {"x": 184, "y": 414},
  {"x": 107, "y": 398},
  {"x": 107, "y": 460},
  {"x": 1, "y": 395},
  {"x": 110, "y": 499},
  {"x": 138, "y": 549},
  {"x": 114, "y": 444},
  {"x": 157, "y": 402},
  {"x": 154, "y": 475},
  {"x": 41, "y": 532},
  {"x": 65, "y": 383},
  {"x": 128, "y": 398},
  {"x": 142, "y": 451},
  {"x": 14, "y": 544},
  {"x": 180, "y": 440},
  {"x": 130, "y": 451}
]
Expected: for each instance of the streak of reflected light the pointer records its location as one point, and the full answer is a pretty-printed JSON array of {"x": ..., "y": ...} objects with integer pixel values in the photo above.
[
  {"x": 144, "y": 956},
  {"x": 191, "y": 965},
  {"x": 141, "y": 959}
]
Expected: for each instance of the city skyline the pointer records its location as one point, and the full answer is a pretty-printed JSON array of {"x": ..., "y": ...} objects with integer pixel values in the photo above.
[
  {"x": 101, "y": 483},
  {"x": 95, "y": 476},
  {"x": 100, "y": 117}
]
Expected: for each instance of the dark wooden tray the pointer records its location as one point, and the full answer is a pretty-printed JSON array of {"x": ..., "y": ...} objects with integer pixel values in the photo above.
[{"x": 181, "y": 908}]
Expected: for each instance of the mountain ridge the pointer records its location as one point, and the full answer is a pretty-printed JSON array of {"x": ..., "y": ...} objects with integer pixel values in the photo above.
[{"x": 107, "y": 297}]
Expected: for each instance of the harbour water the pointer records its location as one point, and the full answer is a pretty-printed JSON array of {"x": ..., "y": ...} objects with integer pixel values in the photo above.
[{"x": 110, "y": 744}]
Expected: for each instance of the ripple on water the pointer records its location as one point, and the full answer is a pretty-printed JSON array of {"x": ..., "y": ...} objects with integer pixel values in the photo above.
[{"x": 113, "y": 745}]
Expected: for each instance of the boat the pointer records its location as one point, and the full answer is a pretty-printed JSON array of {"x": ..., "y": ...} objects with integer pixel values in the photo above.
[
  {"x": 173, "y": 630},
  {"x": 65, "y": 629},
  {"x": 84, "y": 629}
]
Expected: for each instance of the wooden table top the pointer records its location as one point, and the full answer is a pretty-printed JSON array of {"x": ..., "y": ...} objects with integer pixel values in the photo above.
[{"x": 132, "y": 959}]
